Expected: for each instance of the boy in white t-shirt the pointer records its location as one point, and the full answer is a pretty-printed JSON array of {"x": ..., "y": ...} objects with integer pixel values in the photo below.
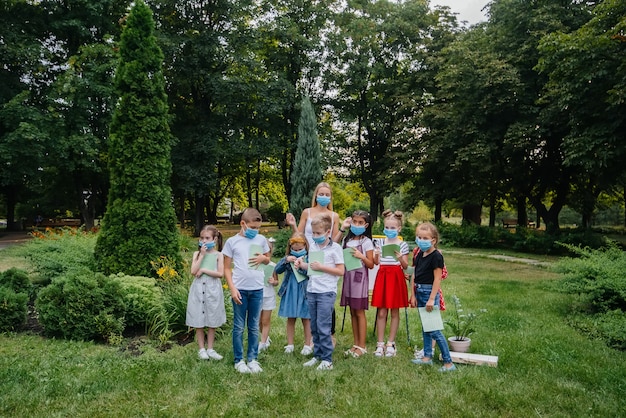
[
  {"x": 245, "y": 252},
  {"x": 322, "y": 289}
]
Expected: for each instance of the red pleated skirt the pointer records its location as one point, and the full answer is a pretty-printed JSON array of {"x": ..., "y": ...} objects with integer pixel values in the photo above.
[{"x": 390, "y": 288}]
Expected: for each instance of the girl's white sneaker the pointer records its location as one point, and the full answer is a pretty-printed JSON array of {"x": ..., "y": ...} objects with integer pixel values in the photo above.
[
  {"x": 289, "y": 349},
  {"x": 212, "y": 354},
  {"x": 202, "y": 354},
  {"x": 307, "y": 350}
]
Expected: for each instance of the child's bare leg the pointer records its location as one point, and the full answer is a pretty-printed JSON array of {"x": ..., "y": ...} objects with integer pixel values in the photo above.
[
  {"x": 200, "y": 337},
  {"x": 308, "y": 338},
  {"x": 355, "y": 328},
  {"x": 361, "y": 328},
  {"x": 395, "y": 323},
  {"x": 266, "y": 319},
  {"x": 210, "y": 338},
  {"x": 291, "y": 330},
  {"x": 381, "y": 324}
]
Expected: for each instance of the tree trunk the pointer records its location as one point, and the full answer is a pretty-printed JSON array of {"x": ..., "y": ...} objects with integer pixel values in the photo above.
[
  {"x": 10, "y": 196},
  {"x": 199, "y": 215},
  {"x": 472, "y": 213},
  {"x": 438, "y": 210},
  {"x": 522, "y": 217}
]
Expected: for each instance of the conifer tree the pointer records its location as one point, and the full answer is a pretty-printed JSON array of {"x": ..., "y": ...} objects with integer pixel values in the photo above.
[
  {"x": 307, "y": 171},
  {"x": 139, "y": 225}
]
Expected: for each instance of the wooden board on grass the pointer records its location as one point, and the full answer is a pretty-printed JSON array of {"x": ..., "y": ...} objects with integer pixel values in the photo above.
[{"x": 475, "y": 359}]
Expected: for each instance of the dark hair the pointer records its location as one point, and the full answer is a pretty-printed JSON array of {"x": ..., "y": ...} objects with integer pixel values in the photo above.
[
  {"x": 368, "y": 230},
  {"x": 251, "y": 215},
  {"x": 217, "y": 235}
]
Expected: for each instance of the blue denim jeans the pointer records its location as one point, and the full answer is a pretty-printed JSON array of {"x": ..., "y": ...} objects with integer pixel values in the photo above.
[
  {"x": 250, "y": 311},
  {"x": 422, "y": 294},
  {"x": 321, "y": 308}
]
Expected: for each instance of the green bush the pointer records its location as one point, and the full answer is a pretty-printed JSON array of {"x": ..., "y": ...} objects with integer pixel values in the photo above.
[
  {"x": 597, "y": 280},
  {"x": 13, "y": 309},
  {"x": 141, "y": 296},
  {"x": 17, "y": 280},
  {"x": 281, "y": 237},
  {"x": 81, "y": 306},
  {"x": 56, "y": 253},
  {"x": 169, "y": 318}
]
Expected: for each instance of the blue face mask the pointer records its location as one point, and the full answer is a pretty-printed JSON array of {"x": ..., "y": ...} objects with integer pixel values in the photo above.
[
  {"x": 424, "y": 244},
  {"x": 357, "y": 230},
  {"x": 323, "y": 200},
  {"x": 390, "y": 233},
  {"x": 250, "y": 233},
  {"x": 208, "y": 245},
  {"x": 320, "y": 240},
  {"x": 299, "y": 253}
]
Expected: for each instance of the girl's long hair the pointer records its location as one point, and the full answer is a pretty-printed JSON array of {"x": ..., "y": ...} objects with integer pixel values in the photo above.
[{"x": 368, "y": 231}]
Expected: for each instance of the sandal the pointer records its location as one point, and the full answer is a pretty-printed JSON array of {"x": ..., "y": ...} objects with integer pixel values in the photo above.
[
  {"x": 362, "y": 350},
  {"x": 350, "y": 351},
  {"x": 380, "y": 349}
]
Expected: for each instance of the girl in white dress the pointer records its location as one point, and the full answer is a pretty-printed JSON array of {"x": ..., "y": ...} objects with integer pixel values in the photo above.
[{"x": 205, "y": 304}]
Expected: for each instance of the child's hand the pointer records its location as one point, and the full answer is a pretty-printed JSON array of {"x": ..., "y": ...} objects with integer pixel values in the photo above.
[
  {"x": 291, "y": 258},
  {"x": 316, "y": 265},
  {"x": 413, "y": 301},
  {"x": 234, "y": 293},
  {"x": 273, "y": 280},
  {"x": 358, "y": 254},
  {"x": 430, "y": 305},
  {"x": 256, "y": 260},
  {"x": 346, "y": 223}
]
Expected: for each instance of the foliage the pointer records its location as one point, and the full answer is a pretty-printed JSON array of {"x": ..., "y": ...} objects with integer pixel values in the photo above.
[
  {"x": 13, "y": 309},
  {"x": 460, "y": 322},
  {"x": 139, "y": 224},
  {"x": 306, "y": 173},
  {"x": 56, "y": 252},
  {"x": 169, "y": 317},
  {"x": 597, "y": 279},
  {"x": 141, "y": 296},
  {"x": 17, "y": 280},
  {"x": 280, "y": 245},
  {"x": 81, "y": 305}
]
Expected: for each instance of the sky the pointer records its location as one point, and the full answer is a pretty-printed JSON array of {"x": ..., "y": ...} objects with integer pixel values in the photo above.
[{"x": 469, "y": 10}]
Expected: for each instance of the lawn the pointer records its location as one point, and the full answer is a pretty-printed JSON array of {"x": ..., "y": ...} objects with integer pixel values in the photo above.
[{"x": 545, "y": 367}]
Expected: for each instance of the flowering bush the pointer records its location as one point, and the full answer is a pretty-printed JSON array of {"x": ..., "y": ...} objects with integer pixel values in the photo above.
[{"x": 461, "y": 323}]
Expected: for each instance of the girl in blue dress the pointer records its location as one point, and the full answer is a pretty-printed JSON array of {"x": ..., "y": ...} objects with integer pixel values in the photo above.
[{"x": 292, "y": 292}]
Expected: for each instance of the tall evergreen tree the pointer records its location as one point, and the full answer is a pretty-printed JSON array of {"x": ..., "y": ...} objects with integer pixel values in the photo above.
[
  {"x": 307, "y": 172},
  {"x": 139, "y": 225}
]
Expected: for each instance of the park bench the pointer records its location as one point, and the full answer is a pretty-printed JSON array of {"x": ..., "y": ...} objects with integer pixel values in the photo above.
[
  {"x": 512, "y": 223},
  {"x": 56, "y": 223}
]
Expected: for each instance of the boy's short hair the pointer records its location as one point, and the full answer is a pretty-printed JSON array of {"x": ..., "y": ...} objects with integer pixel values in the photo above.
[
  {"x": 251, "y": 215},
  {"x": 324, "y": 220}
]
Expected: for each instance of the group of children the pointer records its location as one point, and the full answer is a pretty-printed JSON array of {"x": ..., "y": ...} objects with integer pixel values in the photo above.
[{"x": 317, "y": 254}]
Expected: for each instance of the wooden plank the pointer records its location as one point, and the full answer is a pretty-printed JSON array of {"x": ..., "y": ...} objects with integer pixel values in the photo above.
[{"x": 475, "y": 359}]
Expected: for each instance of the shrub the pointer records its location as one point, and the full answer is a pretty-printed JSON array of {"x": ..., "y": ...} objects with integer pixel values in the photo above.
[
  {"x": 141, "y": 296},
  {"x": 82, "y": 306},
  {"x": 280, "y": 246},
  {"x": 17, "y": 280},
  {"x": 13, "y": 309},
  {"x": 59, "y": 252},
  {"x": 597, "y": 278},
  {"x": 169, "y": 318}
]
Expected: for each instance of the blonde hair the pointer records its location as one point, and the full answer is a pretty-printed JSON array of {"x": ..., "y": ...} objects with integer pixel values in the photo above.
[
  {"x": 317, "y": 188},
  {"x": 434, "y": 232},
  {"x": 396, "y": 215},
  {"x": 324, "y": 220},
  {"x": 297, "y": 238}
]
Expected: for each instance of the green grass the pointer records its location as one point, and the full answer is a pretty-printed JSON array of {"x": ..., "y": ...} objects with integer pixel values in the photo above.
[{"x": 545, "y": 367}]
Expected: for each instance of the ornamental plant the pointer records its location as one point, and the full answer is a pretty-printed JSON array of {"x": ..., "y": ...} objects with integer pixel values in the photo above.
[{"x": 462, "y": 323}]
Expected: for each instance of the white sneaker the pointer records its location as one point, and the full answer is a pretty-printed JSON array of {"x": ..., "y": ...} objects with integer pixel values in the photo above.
[
  {"x": 307, "y": 350},
  {"x": 212, "y": 354},
  {"x": 289, "y": 349},
  {"x": 325, "y": 365},
  {"x": 419, "y": 354},
  {"x": 265, "y": 345},
  {"x": 380, "y": 349},
  {"x": 311, "y": 362},
  {"x": 254, "y": 367},
  {"x": 390, "y": 350},
  {"x": 241, "y": 367},
  {"x": 202, "y": 354}
]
